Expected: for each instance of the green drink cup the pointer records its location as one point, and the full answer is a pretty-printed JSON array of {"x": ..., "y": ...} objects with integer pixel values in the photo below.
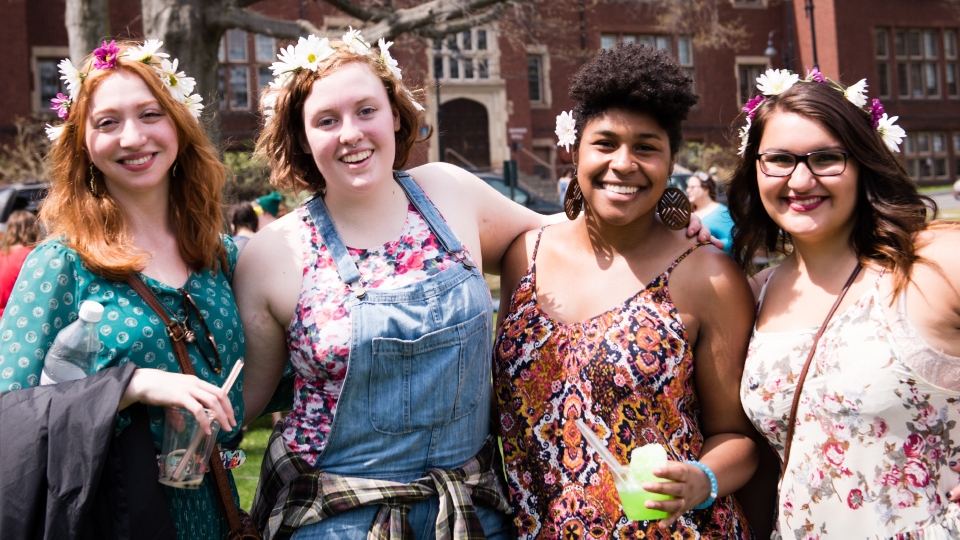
[{"x": 633, "y": 498}]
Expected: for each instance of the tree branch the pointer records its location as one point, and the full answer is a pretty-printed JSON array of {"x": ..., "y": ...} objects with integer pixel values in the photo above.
[
  {"x": 438, "y": 31},
  {"x": 357, "y": 11},
  {"x": 252, "y": 21},
  {"x": 245, "y": 3},
  {"x": 433, "y": 13}
]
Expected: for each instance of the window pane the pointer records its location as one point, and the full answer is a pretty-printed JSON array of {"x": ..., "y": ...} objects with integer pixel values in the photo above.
[
  {"x": 438, "y": 67},
  {"x": 923, "y": 143},
  {"x": 903, "y": 80},
  {"x": 454, "y": 68},
  {"x": 689, "y": 73},
  {"x": 236, "y": 45},
  {"x": 437, "y": 44},
  {"x": 467, "y": 42},
  {"x": 912, "y": 168},
  {"x": 916, "y": 79},
  {"x": 913, "y": 42},
  {"x": 239, "y": 87},
  {"x": 952, "y": 89},
  {"x": 883, "y": 78},
  {"x": 468, "y": 68},
  {"x": 748, "y": 81},
  {"x": 926, "y": 169},
  {"x": 900, "y": 43},
  {"x": 482, "y": 40},
  {"x": 939, "y": 143},
  {"x": 264, "y": 76},
  {"x": 452, "y": 43},
  {"x": 50, "y": 83},
  {"x": 628, "y": 39},
  {"x": 683, "y": 51},
  {"x": 931, "y": 79},
  {"x": 607, "y": 41},
  {"x": 950, "y": 43},
  {"x": 222, "y": 52},
  {"x": 533, "y": 78},
  {"x": 881, "y": 42},
  {"x": 930, "y": 43},
  {"x": 908, "y": 145},
  {"x": 221, "y": 88},
  {"x": 940, "y": 166},
  {"x": 482, "y": 69},
  {"x": 649, "y": 41},
  {"x": 956, "y": 142},
  {"x": 663, "y": 42},
  {"x": 266, "y": 48}
]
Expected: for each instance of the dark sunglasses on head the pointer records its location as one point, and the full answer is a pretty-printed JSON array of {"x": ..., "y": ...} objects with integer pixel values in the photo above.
[{"x": 190, "y": 336}]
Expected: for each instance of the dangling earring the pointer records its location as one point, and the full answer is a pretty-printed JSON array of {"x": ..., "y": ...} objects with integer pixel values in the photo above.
[
  {"x": 573, "y": 199},
  {"x": 173, "y": 173},
  {"x": 93, "y": 182},
  {"x": 674, "y": 208}
]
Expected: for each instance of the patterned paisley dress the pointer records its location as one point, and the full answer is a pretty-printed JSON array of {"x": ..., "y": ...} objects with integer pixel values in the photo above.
[
  {"x": 874, "y": 432},
  {"x": 628, "y": 373}
]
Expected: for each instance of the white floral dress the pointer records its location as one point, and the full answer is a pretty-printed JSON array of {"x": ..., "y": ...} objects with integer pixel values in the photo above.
[{"x": 875, "y": 425}]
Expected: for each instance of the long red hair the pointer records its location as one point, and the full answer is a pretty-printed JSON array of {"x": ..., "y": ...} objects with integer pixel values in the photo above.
[{"x": 95, "y": 226}]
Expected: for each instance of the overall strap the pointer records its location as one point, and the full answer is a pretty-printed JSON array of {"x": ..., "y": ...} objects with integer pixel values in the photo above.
[
  {"x": 429, "y": 212},
  {"x": 347, "y": 269}
]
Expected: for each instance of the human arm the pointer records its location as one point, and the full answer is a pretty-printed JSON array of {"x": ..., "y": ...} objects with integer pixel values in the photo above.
[{"x": 716, "y": 306}]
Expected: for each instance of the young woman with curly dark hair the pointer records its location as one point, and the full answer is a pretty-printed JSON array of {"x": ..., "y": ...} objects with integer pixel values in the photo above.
[
  {"x": 625, "y": 324},
  {"x": 870, "y": 451}
]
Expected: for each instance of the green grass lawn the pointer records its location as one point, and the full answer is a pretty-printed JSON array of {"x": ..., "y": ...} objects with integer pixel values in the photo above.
[
  {"x": 254, "y": 444},
  {"x": 953, "y": 213}
]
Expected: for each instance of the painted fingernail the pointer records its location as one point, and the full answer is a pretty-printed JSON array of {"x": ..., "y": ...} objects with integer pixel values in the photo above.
[{"x": 953, "y": 463}]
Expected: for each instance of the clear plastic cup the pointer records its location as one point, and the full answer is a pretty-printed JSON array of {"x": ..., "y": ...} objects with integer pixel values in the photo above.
[
  {"x": 632, "y": 496},
  {"x": 184, "y": 439}
]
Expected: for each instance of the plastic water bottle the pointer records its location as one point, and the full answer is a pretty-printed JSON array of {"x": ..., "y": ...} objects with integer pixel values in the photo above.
[{"x": 75, "y": 348}]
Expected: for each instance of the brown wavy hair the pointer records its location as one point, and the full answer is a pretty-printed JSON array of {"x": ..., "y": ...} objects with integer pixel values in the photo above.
[
  {"x": 22, "y": 229},
  {"x": 889, "y": 209},
  {"x": 281, "y": 141},
  {"x": 95, "y": 226}
]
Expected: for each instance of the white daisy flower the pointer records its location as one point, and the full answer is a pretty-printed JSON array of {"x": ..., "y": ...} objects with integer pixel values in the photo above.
[
  {"x": 177, "y": 82},
  {"x": 194, "y": 105},
  {"x": 891, "y": 133},
  {"x": 311, "y": 50},
  {"x": 146, "y": 52},
  {"x": 53, "y": 132},
  {"x": 355, "y": 42},
  {"x": 387, "y": 59},
  {"x": 287, "y": 65},
  {"x": 566, "y": 129},
  {"x": 776, "y": 81},
  {"x": 744, "y": 137},
  {"x": 857, "y": 93},
  {"x": 71, "y": 76}
]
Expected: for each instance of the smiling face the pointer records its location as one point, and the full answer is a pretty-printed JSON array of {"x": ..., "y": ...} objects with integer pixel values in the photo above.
[
  {"x": 623, "y": 165},
  {"x": 129, "y": 137},
  {"x": 808, "y": 207},
  {"x": 349, "y": 126}
]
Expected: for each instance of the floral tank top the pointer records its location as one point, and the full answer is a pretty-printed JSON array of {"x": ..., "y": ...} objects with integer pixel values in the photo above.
[
  {"x": 319, "y": 335},
  {"x": 873, "y": 439},
  {"x": 627, "y": 373}
]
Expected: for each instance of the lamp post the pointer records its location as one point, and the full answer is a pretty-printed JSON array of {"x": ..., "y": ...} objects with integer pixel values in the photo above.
[
  {"x": 455, "y": 56},
  {"x": 808, "y": 7}
]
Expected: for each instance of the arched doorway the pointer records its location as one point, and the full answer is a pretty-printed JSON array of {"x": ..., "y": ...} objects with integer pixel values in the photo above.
[{"x": 464, "y": 131}]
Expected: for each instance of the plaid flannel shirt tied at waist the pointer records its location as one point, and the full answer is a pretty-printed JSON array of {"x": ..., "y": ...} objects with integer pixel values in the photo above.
[{"x": 293, "y": 494}]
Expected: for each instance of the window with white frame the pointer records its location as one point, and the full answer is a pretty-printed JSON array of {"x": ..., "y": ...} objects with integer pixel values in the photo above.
[
  {"x": 917, "y": 56},
  {"x": 678, "y": 46},
  {"x": 46, "y": 77},
  {"x": 925, "y": 155},
  {"x": 465, "y": 56},
  {"x": 244, "y": 68},
  {"x": 950, "y": 65},
  {"x": 883, "y": 61},
  {"x": 748, "y": 69},
  {"x": 538, "y": 76}
]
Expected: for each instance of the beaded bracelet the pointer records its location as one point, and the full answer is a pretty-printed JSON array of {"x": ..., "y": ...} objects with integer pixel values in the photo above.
[{"x": 713, "y": 484}]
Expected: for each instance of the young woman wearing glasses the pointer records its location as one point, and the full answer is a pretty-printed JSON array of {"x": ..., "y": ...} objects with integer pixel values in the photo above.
[{"x": 871, "y": 442}]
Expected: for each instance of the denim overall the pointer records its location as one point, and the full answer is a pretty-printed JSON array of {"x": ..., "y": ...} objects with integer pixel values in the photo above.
[{"x": 416, "y": 395}]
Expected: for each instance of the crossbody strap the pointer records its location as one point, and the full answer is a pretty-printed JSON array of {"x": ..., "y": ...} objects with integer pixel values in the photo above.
[
  {"x": 176, "y": 333},
  {"x": 791, "y": 425}
]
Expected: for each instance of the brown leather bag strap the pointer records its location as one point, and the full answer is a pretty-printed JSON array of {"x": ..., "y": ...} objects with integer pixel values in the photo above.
[
  {"x": 791, "y": 425},
  {"x": 176, "y": 333}
]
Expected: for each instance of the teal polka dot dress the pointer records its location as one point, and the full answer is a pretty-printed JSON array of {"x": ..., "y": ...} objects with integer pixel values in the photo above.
[{"x": 46, "y": 298}]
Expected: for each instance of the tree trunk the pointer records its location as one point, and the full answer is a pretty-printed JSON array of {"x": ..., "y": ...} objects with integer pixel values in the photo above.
[
  {"x": 187, "y": 37},
  {"x": 88, "y": 22}
]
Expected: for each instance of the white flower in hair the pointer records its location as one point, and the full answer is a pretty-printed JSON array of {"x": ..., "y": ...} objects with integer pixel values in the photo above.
[
  {"x": 194, "y": 105},
  {"x": 566, "y": 130},
  {"x": 177, "y": 82},
  {"x": 394, "y": 66},
  {"x": 53, "y": 132},
  {"x": 355, "y": 42},
  {"x": 146, "y": 52},
  {"x": 283, "y": 70},
  {"x": 857, "y": 93},
  {"x": 776, "y": 81},
  {"x": 891, "y": 133},
  {"x": 70, "y": 75},
  {"x": 311, "y": 51},
  {"x": 744, "y": 137}
]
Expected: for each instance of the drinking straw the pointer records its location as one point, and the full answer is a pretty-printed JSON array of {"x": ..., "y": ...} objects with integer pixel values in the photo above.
[
  {"x": 594, "y": 441},
  {"x": 198, "y": 436}
]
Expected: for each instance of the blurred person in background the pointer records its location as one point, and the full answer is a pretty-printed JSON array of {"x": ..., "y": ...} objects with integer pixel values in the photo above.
[
  {"x": 267, "y": 208},
  {"x": 563, "y": 182},
  {"x": 702, "y": 192},
  {"x": 18, "y": 240},
  {"x": 245, "y": 222}
]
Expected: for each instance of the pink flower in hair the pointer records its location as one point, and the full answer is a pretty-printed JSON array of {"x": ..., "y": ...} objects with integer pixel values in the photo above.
[
  {"x": 106, "y": 55},
  {"x": 61, "y": 104},
  {"x": 876, "y": 112},
  {"x": 751, "y": 107},
  {"x": 815, "y": 75}
]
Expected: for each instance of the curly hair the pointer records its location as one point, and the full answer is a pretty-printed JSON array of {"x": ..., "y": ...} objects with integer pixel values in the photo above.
[
  {"x": 889, "y": 210},
  {"x": 636, "y": 78},
  {"x": 95, "y": 226},
  {"x": 282, "y": 140}
]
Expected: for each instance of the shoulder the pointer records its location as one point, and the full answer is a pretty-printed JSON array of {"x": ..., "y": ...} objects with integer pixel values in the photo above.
[
  {"x": 758, "y": 280},
  {"x": 709, "y": 273},
  {"x": 274, "y": 250},
  {"x": 941, "y": 248}
]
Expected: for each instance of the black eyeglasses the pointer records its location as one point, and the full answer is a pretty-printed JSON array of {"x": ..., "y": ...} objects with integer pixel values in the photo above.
[
  {"x": 190, "y": 336},
  {"x": 821, "y": 163}
]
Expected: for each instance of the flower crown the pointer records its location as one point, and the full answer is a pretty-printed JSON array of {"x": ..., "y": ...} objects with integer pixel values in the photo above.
[
  {"x": 776, "y": 81},
  {"x": 106, "y": 56},
  {"x": 310, "y": 51}
]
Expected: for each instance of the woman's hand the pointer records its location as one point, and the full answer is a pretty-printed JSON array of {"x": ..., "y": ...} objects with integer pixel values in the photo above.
[
  {"x": 954, "y": 494},
  {"x": 163, "y": 389},
  {"x": 689, "y": 487},
  {"x": 696, "y": 228}
]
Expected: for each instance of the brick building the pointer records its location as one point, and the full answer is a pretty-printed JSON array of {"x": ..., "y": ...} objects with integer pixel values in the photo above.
[{"x": 501, "y": 88}]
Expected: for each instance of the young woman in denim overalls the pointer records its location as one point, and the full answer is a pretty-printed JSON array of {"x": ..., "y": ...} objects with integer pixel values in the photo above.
[{"x": 389, "y": 432}]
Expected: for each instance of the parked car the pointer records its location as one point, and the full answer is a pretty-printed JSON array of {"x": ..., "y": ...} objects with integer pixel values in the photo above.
[
  {"x": 520, "y": 195},
  {"x": 22, "y": 196}
]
